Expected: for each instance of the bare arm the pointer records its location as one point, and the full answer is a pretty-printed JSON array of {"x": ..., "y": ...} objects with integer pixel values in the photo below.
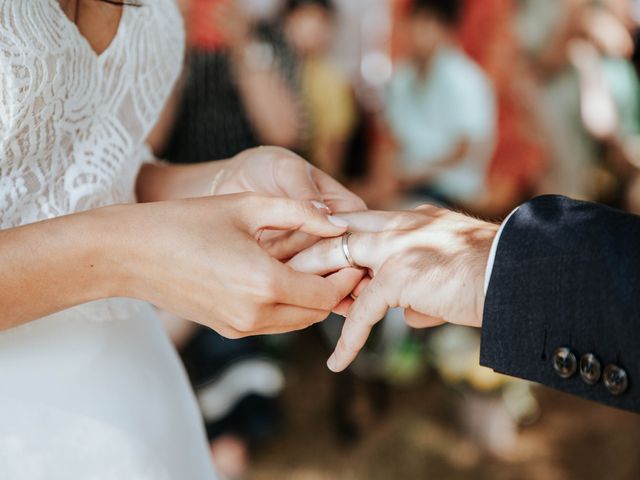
[
  {"x": 266, "y": 95},
  {"x": 161, "y": 253},
  {"x": 158, "y": 182},
  {"x": 268, "y": 100},
  {"x": 55, "y": 264}
]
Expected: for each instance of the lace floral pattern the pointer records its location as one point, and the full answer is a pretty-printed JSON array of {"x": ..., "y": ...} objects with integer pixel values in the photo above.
[
  {"x": 73, "y": 124},
  {"x": 96, "y": 391}
]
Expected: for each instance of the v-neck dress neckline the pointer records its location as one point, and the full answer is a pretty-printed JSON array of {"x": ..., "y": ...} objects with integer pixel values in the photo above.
[{"x": 73, "y": 28}]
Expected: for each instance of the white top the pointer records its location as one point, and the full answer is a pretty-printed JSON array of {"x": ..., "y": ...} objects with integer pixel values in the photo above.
[
  {"x": 96, "y": 391},
  {"x": 430, "y": 116}
]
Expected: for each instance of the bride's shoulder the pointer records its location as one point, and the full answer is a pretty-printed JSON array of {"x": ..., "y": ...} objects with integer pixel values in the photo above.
[
  {"x": 28, "y": 25},
  {"x": 30, "y": 32}
]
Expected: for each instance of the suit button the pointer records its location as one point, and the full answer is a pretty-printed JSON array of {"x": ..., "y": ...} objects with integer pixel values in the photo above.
[
  {"x": 615, "y": 379},
  {"x": 564, "y": 362},
  {"x": 590, "y": 368}
]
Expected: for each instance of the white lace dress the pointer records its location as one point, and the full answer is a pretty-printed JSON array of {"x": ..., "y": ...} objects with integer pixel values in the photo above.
[{"x": 96, "y": 391}]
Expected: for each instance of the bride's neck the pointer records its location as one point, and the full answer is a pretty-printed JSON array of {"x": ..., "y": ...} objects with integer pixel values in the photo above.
[
  {"x": 97, "y": 21},
  {"x": 70, "y": 8}
]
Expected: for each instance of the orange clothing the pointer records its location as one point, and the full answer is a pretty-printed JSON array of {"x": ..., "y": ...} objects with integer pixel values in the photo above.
[
  {"x": 486, "y": 33},
  {"x": 201, "y": 28}
]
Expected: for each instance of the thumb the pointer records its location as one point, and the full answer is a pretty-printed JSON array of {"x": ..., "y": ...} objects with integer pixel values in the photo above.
[{"x": 271, "y": 213}]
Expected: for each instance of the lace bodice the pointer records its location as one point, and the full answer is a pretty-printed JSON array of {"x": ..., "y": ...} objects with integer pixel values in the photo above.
[
  {"x": 95, "y": 391},
  {"x": 73, "y": 124}
]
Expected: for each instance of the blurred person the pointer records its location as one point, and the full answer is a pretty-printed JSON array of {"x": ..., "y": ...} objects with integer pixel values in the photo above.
[
  {"x": 544, "y": 29},
  {"x": 309, "y": 26},
  {"x": 441, "y": 110},
  {"x": 610, "y": 90},
  {"x": 488, "y": 35},
  {"x": 553, "y": 289},
  {"x": 240, "y": 90},
  {"x": 91, "y": 386},
  {"x": 588, "y": 92}
]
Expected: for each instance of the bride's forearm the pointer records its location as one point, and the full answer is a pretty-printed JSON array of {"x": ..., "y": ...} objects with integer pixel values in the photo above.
[
  {"x": 55, "y": 264},
  {"x": 160, "y": 182}
]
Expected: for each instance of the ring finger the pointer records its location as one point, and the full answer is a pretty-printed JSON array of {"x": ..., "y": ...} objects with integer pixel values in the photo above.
[{"x": 329, "y": 256}]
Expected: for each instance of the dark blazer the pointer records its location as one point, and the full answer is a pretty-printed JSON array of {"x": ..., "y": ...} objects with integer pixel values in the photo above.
[{"x": 563, "y": 304}]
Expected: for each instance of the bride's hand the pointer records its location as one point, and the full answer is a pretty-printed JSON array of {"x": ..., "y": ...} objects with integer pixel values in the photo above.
[
  {"x": 431, "y": 262},
  {"x": 279, "y": 172},
  {"x": 269, "y": 171},
  {"x": 201, "y": 260}
]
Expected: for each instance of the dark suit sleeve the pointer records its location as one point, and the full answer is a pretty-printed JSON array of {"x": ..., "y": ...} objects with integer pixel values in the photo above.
[{"x": 566, "y": 275}]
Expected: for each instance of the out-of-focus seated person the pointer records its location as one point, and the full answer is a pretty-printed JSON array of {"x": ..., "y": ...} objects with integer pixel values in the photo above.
[
  {"x": 309, "y": 26},
  {"x": 441, "y": 110},
  {"x": 588, "y": 95},
  {"x": 240, "y": 87}
]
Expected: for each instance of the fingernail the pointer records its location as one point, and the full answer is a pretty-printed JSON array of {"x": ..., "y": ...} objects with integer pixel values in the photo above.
[
  {"x": 332, "y": 363},
  {"x": 320, "y": 205},
  {"x": 338, "y": 222}
]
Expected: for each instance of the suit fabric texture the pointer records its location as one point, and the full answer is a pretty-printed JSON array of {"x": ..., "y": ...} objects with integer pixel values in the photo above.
[{"x": 566, "y": 276}]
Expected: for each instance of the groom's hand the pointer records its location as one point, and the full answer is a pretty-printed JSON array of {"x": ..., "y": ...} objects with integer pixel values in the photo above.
[{"x": 431, "y": 262}]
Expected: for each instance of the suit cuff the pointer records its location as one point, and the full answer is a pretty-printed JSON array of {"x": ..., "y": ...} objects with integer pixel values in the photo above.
[{"x": 494, "y": 249}]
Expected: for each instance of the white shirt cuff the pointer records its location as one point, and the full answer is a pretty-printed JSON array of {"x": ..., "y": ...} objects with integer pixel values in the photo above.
[{"x": 494, "y": 249}]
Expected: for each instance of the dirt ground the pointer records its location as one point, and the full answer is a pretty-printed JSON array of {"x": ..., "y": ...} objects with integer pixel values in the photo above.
[{"x": 419, "y": 437}]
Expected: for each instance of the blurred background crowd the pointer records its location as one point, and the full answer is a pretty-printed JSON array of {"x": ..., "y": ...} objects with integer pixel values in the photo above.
[{"x": 478, "y": 105}]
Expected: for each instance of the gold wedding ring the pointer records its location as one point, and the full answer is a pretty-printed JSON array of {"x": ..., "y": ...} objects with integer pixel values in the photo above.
[{"x": 346, "y": 251}]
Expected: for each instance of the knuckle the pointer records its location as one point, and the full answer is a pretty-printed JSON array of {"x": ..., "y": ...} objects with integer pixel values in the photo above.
[
  {"x": 249, "y": 202},
  {"x": 280, "y": 152},
  {"x": 248, "y": 322},
  {"x": 319, "y": 253},
  {"x": 301, "y": 208},
  {"x": 390, "y": 269},
  {"x": 348, "y": 345},
  {"x": 284, "y": 160},
  {"x": 400, "y": 221},
  {"x": 334, "y": 298},
  {"x": 250, "y": 198},
  {"x": 230, "y": 334},
  {"x": 286, "y": 206},
  {"x": 426, "y": 209},
  {"x": 409, "y": 220},
  {"x": 318, "y": 317},
  {"x": 269, "y": 285},
  {"x": 359, "y": 317},
  {"x": 310, "y": 320},
  {"x": 263, "y": 283},
  {"x": 330, "y": 298},
  {"x": 245, "y": 327}
]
